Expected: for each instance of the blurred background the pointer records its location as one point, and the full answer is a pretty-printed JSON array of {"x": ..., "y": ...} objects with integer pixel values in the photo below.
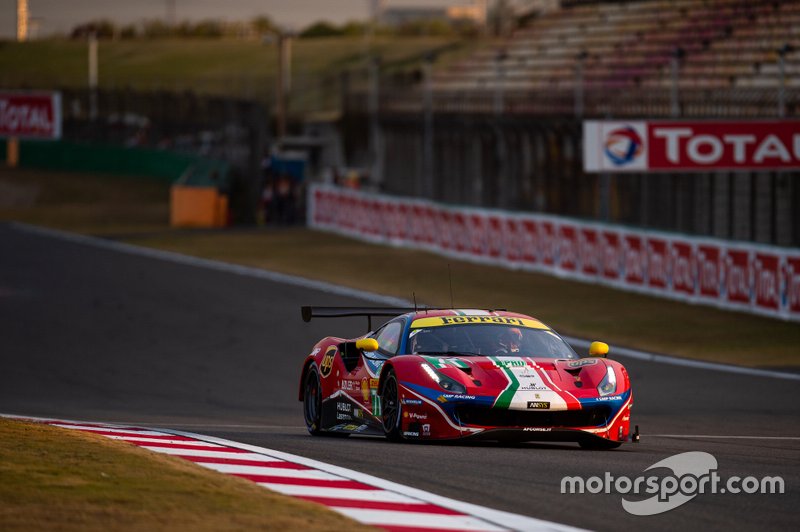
[{"x": 471, "y": 102}]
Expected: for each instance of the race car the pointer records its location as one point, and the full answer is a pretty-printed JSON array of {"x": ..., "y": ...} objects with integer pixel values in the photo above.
[{"x": 452, "y": 374}]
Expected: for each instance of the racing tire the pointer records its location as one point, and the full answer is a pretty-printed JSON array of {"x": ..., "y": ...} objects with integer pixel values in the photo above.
[
  {"x": 312, "y": 402},
  {"x": 599, "y": 444},
  {"x": 391, "y": 414}
]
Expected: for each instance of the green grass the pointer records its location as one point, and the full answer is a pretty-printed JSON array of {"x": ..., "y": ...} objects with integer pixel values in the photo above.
[
  {"x": 220, "y": 66},
  {"x": 93, "y": 203},
  {"x": 59, "y": 479}
]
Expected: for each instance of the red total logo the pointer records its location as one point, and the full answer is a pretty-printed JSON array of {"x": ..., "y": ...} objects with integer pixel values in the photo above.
[{"x": 696, "y": 145}]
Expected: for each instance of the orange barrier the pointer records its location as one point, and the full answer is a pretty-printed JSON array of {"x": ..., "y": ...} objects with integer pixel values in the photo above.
[{"x": 197, "y": 207}]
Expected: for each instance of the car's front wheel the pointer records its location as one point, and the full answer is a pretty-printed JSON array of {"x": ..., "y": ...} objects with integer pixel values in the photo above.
[{"x": 390, "y": 407}]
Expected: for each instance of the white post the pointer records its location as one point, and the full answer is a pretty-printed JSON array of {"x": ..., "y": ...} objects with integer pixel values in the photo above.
[{"x": 22, "y": 20}]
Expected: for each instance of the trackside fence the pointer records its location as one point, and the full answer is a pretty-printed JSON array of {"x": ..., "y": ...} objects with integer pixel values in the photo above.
[{"x": 740, "y": 276}]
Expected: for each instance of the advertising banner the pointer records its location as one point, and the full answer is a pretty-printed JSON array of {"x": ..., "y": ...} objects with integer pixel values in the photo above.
[
  {"x": 30, "y": 115},
  {"x": 699, "y": 146},
  {"x": 740, "y": 276}
]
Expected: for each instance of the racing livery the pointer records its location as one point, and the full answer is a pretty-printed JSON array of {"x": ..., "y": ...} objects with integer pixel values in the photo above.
[{"x": 447, "y": 374}]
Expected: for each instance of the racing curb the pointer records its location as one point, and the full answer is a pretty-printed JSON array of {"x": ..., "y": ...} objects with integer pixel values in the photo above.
[{"x": 361, "y": 497}]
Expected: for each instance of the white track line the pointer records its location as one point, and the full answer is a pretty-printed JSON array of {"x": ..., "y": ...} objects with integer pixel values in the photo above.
[{"x": 372, "y": 297}]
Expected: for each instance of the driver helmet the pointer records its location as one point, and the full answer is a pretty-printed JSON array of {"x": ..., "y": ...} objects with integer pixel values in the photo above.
[{"x": 511, "y": 339}]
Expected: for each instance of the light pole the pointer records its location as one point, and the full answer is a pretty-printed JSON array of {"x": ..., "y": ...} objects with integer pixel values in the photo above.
[
  {"x": 376, "y": 147},
  {"x": 93, "y": 69},
  {"x": 677, "y": 56},
  {"x": 22, "y": 20},
  {"x": 500, "y": 82},
  {"x": 782, "y": 51},
  {"x": 427, "y": 126},
  {"x": 284, "y": 84},
  {"x": 579, "y": 98}
]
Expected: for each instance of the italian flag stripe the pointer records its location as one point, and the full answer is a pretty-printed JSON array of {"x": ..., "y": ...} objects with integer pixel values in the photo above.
[{"x": 504, "y": 399}]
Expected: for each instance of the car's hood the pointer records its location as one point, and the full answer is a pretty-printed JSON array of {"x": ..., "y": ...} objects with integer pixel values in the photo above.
[{"x": 525, "y": 383}]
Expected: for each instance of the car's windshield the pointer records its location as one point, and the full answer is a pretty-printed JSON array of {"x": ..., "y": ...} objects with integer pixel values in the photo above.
[{"x": 488, "y": 340}]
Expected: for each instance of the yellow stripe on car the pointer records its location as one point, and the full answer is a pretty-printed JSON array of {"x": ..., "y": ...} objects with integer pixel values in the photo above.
[{"x": 441, "y": 321}]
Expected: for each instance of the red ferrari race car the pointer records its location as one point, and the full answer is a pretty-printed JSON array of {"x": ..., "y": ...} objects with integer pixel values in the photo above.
[{"x": 447, "y": 374}]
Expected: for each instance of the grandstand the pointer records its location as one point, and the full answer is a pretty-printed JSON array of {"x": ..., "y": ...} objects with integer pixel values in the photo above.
[
  {"x": 731, "y": 46},
  {"x": 727, "y": 43}
]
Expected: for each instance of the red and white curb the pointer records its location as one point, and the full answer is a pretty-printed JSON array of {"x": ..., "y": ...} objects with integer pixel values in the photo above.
[{"x": 364, "y": 498}]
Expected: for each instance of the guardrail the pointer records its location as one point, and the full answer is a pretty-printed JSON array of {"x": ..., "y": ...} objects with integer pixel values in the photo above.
[{"x": 732, "y": 275}]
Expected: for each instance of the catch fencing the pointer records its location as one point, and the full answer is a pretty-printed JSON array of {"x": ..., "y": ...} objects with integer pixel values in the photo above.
[{"x": 740, "y": 276}]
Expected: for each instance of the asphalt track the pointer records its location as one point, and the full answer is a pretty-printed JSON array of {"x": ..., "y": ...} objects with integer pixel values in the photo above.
[{"x": 93, "y": 334}]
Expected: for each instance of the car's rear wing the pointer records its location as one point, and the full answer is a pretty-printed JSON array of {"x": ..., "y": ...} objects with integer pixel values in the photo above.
[{"x": 309, "y": 312}]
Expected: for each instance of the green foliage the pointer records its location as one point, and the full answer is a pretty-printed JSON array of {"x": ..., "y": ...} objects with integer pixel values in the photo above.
[{"x": 321, "y": 29}]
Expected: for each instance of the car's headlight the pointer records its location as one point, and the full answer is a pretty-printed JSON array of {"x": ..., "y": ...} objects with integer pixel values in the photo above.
[
  {"x": 609, "y": 383},
  {"x": 445, "y": 382}
]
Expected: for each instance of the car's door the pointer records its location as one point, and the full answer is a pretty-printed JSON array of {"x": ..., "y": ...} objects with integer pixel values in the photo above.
[{"x": 361, "y": 384}]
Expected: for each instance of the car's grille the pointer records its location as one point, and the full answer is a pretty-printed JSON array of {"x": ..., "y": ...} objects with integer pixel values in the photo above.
[{"x": 588, "y": 417}]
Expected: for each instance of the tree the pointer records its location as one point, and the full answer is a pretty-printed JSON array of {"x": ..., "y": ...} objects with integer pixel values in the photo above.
[{"x": 321, "y": 29}]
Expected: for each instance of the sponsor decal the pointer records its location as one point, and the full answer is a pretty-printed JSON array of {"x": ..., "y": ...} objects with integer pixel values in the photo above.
[
  {"x": 658, "y": 274},
  {"x": 349, "y": 385},
  {"x": 568, "y": 250},
  {"x": 623, "y": 145},
  {"x": 510, "y": 363},
  {"x": 462, "y": 320},
  {"x": 358, "y": 413},
  {"x": 738, "y": 276},
  {"x": 365, "y": 389},
  {"x": 537, "y": 429},
  {"x": 684, "y": 266},
  {"x": 539, "y": 405},
  {"x": 34, "y": 115},
  {"x": 350, "y": 427},
  {"x": 426, "y": 429},
  {"x": 766, "y": 277},
  {"x": 414, "y": 415},
  {"x": 691, "y": 146},
  {"x": 611, "y": 398},
  {"x": 344, "y": 407},
  {"x": 445, "y": 397},
  {"x": 582, "y": 362},
  {"x": 412, "y": 401},
  {"x": 343, "y": 417},
  {"x": 373, "y": 365},
  {"x": 327, "y": 361},
  {"x": 409, "y": 434}
]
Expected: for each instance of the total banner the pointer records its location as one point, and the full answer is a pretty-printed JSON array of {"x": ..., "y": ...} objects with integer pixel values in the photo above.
[
  {"x": 740, "y": 276},
  {"x": 30, "y": 115},
  {"x": 673, "y": 145}
]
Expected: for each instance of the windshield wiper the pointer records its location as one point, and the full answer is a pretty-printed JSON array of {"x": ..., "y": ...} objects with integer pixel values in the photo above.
[{"x": 449, "y": 353}]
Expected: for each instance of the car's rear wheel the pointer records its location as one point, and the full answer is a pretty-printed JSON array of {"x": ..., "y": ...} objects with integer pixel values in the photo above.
[
  {"x": 599, "y": 444},
  {"x": 390, "y": 407},
  {"x": 312, "y": 401}
]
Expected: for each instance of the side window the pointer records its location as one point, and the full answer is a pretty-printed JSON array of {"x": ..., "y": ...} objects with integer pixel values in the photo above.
[{"x": 389, "y": 337}]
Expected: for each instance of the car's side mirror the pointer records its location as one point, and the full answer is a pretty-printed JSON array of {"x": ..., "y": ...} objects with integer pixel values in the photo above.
[
  {"x": 367, "y": 344},
  {"x": 598, "y": 349}
]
